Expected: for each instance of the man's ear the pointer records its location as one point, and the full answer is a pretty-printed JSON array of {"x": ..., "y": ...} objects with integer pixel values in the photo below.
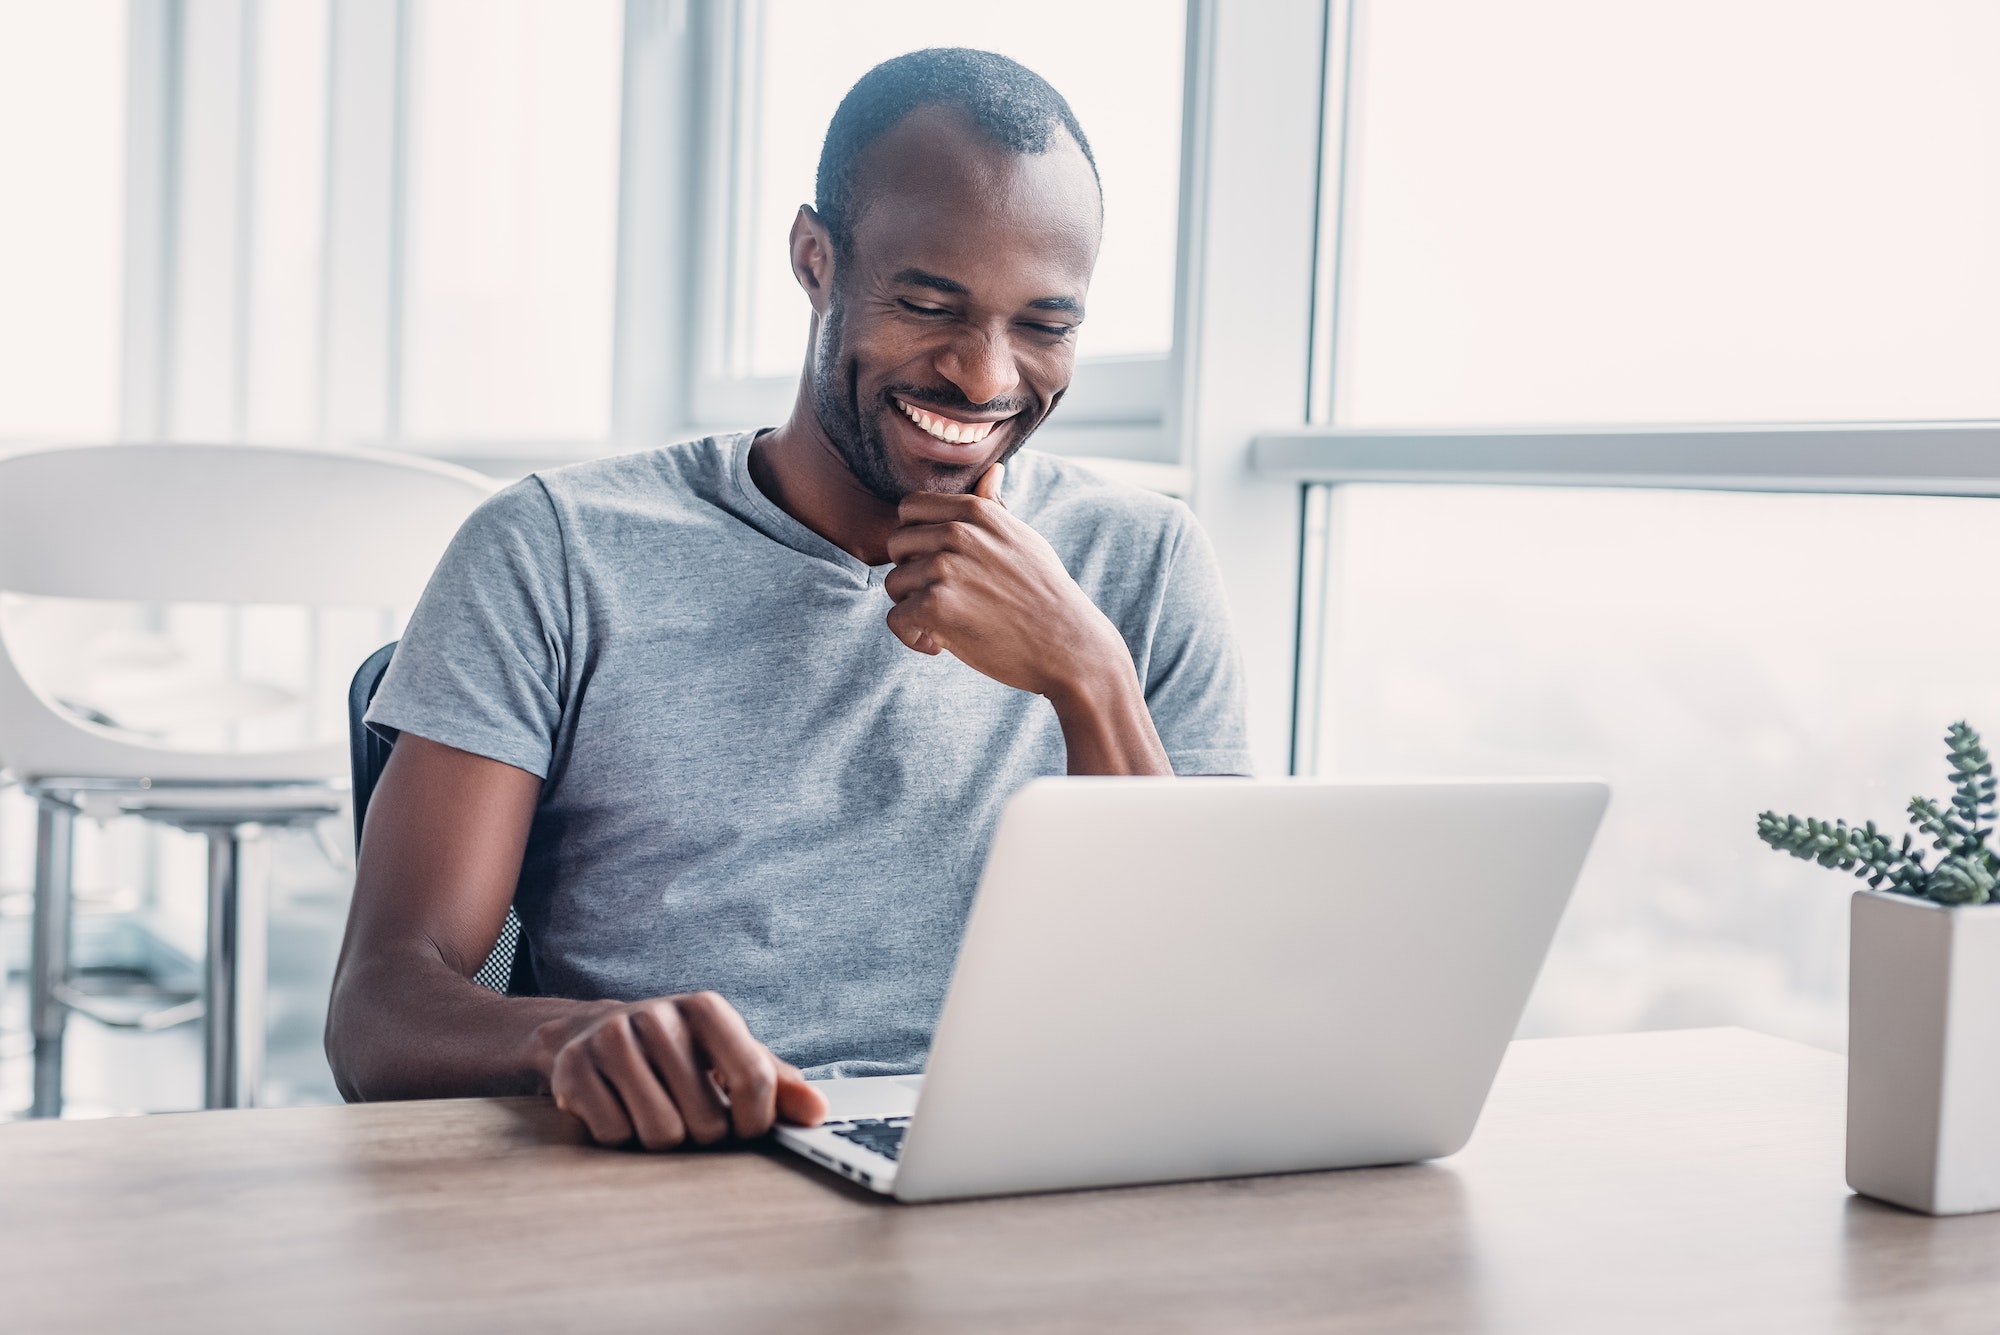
[{"x": 812, "y": 257}]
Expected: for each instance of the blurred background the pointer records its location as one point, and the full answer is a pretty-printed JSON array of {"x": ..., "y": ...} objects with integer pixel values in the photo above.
[{"x": 509, "y": 234}]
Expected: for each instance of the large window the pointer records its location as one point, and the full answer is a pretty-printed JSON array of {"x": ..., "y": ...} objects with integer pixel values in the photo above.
[
  {"x": 1566, "y": 211},
  {"x": 1712, "y": 656},
  {"x": 511, "y": 237},
  {"x": 365, "y": 224},
  {"x": 1559, "y": 212},
  {"x": 62, "y": 165},
  {"x": 521, "y": 231}
]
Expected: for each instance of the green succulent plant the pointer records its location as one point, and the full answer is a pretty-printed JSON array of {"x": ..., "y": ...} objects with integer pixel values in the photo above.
[{"x": 1967, "y": 872}]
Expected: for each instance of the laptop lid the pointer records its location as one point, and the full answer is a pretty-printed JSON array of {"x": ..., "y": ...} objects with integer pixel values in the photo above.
[{"x": 1181, "y": 978}]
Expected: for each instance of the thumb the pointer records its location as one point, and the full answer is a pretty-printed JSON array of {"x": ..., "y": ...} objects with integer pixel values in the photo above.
[
  {"x": 798, "y": 1102},
  {"x": 989, "y": 484}
]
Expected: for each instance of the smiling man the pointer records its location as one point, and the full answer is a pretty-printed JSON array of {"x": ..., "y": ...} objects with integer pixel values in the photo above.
[{"x": 730, "y": 722}]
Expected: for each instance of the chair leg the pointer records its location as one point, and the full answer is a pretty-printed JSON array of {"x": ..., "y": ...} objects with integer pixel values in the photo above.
[
  {"x": 253, "y": 971},
  {"x": 48, "y": 966},
  {"x": 233, "y": 1054},
  {"x": 219, "y": 994}
]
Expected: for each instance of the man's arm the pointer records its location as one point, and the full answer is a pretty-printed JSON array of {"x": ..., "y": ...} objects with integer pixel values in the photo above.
[
  {"x": 440, "y": 857},
  {"x": 973, "y": 580}
]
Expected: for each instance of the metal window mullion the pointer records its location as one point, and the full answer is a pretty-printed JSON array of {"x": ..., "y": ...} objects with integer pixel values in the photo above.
[
  {"x": 207, "y": 259},
  {"x": 1320, "y": 541},
  {"x": 665, "y": 87},
  {"x": 736, "y": 180},
  {"x": 1316, "y": 588},
  {"x": 247, "y": 121},
  {"x": 1243, "y": 325},
  {"x": 361, "y": 392},
  {"x": 402, "y": 141},
  {"x": 152, "y": 122},
  {"x": 1335, "y": 155},
  {"x": 1881, "y": 458}
]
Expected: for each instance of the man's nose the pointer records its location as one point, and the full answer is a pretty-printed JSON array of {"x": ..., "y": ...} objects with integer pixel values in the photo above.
[{"x": 981, "y": 365}]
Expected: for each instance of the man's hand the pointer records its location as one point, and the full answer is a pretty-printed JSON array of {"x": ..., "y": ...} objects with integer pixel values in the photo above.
[
  {"x": 439, "y": 862},
  {"x": 658, "y": 1071},
  {"x": 974, "y": 581}
]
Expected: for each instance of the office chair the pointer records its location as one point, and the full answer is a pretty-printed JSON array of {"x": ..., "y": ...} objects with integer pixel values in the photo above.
[
  {"x": 190, "y": 523},
  {"x": 507, "y": 969}
]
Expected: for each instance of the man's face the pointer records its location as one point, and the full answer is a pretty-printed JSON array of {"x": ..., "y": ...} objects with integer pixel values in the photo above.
[{"x": 949, "y": 331}]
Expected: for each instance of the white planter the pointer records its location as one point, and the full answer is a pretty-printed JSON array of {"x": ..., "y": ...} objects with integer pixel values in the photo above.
[{"x": 1923, "y": 1054}]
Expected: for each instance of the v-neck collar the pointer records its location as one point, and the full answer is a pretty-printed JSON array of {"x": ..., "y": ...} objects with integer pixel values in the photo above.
[{"x": 771, "y": 519}]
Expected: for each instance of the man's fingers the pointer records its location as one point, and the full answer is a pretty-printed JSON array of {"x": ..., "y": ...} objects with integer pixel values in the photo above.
[
  {"x": 623, "y": 1062},
  {"x": 914, "y": 541},
  {"x": 674, "y": 1069},
  {"x": 963, "y": 536},
  {"x": 989, "y": 484},
  {"x": 582, "y": 1093},
  {"x": 670, "y": 1048},
  {"x": 908, "y": 620},
  {"x": 941, "y": 507},
  {"x": 907, "y": 578},
  {"x": 918, "y": 573},
  {"x": 743, "y": 1066},
  {"x": 798, "y": 1102}
]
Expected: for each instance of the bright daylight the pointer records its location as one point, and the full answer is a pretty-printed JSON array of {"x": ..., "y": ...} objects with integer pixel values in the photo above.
[{"x": 931, "y": 665}]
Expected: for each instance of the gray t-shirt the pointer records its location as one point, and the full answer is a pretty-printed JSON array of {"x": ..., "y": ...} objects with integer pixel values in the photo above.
[{"x": 750, "y": 785}]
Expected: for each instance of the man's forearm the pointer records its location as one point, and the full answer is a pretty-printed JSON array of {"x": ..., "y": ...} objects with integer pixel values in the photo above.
[
  {"x": 406, "y": 1025},
  {"x": 1106, "y": 725}
]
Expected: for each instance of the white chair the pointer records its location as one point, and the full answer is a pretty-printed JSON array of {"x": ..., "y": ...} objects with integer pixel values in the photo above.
[{"x": 231, "y": 524}]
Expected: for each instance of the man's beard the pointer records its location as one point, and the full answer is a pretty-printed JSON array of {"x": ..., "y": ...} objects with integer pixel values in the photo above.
[
  {"x": 835, "y": 401},
  {"x": 858, "y": 437}
]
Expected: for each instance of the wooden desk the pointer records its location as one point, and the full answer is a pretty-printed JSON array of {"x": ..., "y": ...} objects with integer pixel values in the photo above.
[{"x": 1684, "y": 1182}]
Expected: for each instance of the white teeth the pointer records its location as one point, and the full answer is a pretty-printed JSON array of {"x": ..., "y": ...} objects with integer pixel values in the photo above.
[{"x": 955, "y": 433}]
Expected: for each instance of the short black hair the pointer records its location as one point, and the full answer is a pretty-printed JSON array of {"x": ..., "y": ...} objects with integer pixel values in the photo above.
[{"x": 1010, "y": 103}]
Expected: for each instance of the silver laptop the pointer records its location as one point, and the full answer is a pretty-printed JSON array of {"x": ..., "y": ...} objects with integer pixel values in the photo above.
[{"x": 1165, "y": 979}]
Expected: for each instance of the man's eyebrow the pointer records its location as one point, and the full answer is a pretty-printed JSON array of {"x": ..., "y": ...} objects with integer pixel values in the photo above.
[
  {"x": 936, "y": 282},
  {"x": 1068, "y": 305}
]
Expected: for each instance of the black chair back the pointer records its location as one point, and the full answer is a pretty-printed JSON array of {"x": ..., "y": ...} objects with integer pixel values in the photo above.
[
  {"x": 507, "y": 969},
  {"x": 367, "y": 750}
]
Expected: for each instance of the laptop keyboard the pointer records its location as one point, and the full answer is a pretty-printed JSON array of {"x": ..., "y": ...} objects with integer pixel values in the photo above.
[{"x": 884, "y": 1135}]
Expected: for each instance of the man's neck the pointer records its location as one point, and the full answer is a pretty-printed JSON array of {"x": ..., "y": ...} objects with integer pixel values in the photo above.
[{"x": 800, "y": 469}]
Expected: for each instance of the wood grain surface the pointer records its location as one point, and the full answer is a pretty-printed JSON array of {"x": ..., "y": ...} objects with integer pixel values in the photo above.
[{"x": 1651, "y": 1182}]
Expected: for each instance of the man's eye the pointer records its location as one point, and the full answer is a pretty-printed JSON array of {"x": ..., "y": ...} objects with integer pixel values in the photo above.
[
  {"x": 1054, "y": 330},
  {"x": 922, "y": 310}
]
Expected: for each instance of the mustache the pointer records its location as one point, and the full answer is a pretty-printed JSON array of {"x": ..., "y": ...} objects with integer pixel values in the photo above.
[{"x": 945, "y": 399}]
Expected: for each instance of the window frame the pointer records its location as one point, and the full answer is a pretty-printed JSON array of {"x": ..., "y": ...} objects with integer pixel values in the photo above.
[
  {"x": 1116, "y": 408},
  {"x": 1236, "y": 417},
  {"x": 1248, "y": 300},
  {"x": 1315, "y": 459},
  {"x": 1940, "y": 458},
  {"x": 1922, "y": 457}
]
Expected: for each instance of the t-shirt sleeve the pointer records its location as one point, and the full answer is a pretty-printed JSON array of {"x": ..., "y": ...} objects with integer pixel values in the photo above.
[
  {"x": 480, "y": 665},
  {"x": 1194, "y": 677}
]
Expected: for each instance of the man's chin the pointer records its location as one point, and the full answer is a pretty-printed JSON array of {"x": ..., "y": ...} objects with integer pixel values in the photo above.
[
  {"x": 942, "y": 479},
  {"x": 906, "y": 475},
  {"x": 913, "y": 475}
]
